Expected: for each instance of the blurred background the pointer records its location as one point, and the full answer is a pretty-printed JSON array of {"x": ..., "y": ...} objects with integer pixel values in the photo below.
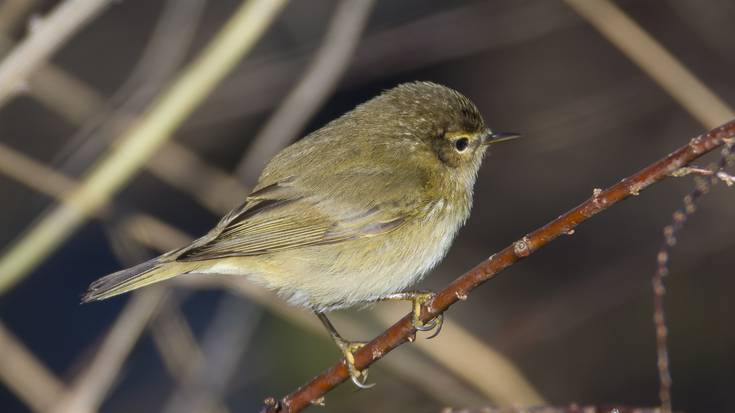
[{"x": 598, "y": 89}]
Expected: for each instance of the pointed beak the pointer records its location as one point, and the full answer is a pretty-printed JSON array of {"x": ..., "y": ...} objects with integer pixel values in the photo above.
[{"x": 492, "y": 138}]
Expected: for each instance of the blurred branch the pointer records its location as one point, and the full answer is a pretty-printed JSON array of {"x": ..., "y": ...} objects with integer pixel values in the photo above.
[
  {"x": 141, "y": 141},
  {"x": 409, "y": 46},
  {"x": 163, "y": 55},
  {"x": 703, "y": 104},
  {"x": 175, "y": 341},
  {"x": 209, "y": 185},
  {"x": 225, "y": 342},
  {"x": 32, "y": 382},
  {"x": 479, "y": 364},
  {"x": 53, "y": 86},
  {"x": 46, "y": 36},
  {"x": 458, "y": 290},
  {"x": 174, "y": 163},
  {"x": 34, "y": 174},
  {"x": 12, "y": 11},
  {"x": 315, "y": 86},
  {"x": 90, "y": 388}
]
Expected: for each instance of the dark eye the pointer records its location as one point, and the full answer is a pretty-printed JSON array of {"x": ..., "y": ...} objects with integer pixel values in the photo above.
[{"x": 461, "y": 144}]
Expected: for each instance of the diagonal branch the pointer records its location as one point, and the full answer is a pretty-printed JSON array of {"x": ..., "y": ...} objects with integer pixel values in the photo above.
[
  {"x": 312, "y": 90},
  {"x": 141, "y": 141},
  {"x": 45, "y": 39},
  {"x": 458, "y": 290}
]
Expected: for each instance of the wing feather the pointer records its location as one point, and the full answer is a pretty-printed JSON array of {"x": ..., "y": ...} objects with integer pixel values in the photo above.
[{"x": 289, "y": 214}]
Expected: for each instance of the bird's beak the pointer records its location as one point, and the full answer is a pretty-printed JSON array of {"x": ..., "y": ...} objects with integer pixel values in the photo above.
[{"x": 492, "y": 138}]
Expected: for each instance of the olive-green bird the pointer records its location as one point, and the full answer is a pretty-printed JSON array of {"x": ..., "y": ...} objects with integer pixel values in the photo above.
[{"x": 353, "y": 213}]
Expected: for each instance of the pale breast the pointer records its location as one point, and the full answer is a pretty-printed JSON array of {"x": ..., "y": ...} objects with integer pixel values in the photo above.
[{"x": 371, "y": 268}]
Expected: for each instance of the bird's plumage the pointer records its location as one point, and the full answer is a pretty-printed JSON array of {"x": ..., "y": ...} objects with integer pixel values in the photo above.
[{"x": 312, "y": 217}]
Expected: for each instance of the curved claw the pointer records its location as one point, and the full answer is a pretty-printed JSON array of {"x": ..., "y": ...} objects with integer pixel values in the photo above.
[
  {"x": 361, "y": 384},
  {"x": 438, "y": 323},
  {"x": 419, "y": 299},
  {"x": 348, "y": 348}
]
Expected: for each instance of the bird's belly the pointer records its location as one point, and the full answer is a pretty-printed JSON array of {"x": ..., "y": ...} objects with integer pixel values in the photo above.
[{"x": 359, "y": 271}]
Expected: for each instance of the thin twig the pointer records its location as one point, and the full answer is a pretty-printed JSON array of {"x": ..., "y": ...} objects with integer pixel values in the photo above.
[
  {"x": 484, "y": 367},
  {"x": 316, "y": 85},
  {"x": 679, "y": 218},
  {"x": 403, "y": 331},
  {"x": 47, "y": 35},
  {"x": 225, "y": 342},
  {"x": 91, "y": 387},
  {"x": 236, "y": 38},
  {"x": 655, "y": 60},
  {"x": 164, "y": 53},
  {"x": 426, "y": 41},
  {"x": 12, "y": 13},
  {"x": 25, "y": 375}
]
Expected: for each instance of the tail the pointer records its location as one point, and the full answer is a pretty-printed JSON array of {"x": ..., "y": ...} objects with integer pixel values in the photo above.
[{"x": 149, "y": 272}]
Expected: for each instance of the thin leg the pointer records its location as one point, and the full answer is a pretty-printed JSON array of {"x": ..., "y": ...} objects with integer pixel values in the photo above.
[
  {"x": 418, "y": 298},
  {"x": 347, "y": 348}
]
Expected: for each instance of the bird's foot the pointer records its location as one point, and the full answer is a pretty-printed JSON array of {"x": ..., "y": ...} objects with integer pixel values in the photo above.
[
  {"x": 348, "y": 349},
  {"x": 419, "y": 298}
]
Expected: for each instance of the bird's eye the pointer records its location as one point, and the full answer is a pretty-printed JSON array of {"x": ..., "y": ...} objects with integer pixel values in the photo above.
[{"x": 461, "y": 144}]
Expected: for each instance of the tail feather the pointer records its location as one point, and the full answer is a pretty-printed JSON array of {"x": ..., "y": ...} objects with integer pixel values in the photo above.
[{"x": 146, "y": 273}]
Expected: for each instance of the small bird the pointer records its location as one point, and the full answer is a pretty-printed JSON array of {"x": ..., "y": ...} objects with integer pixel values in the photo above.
[{"x": 353, "y": 213}]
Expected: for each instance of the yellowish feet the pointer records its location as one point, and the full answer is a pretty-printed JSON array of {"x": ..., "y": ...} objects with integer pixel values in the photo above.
[
  {"x": 348, "y": 349},
  {"x": 419, "y": 298}
]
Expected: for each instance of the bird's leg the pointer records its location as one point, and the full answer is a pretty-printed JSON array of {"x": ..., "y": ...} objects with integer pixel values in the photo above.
[
  {"x": 347, "y": 348},
  {"x": 418, "y": 298}
]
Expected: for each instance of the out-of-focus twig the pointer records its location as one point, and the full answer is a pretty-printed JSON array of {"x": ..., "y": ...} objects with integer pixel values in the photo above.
[
  {"x": 655, "y": 60},
  {"x": 479, "y": 364},
  {"x": 458, "y": 290},
  {"x": 32, "y": 382},
  {"x": 175, "y": 341},
  {"x": 319, "y": 81},
  {"x": 47, "y": 35},
  {"x": 702, "y": 103},
  {"x": 425, "y": 41},
  {"x": 34, "y": 174},
  {"x": 163, "y": 55},
  {"x": 174, "y": 163},
  {"x": 224, "y": 344},
  {"x": 90, "y": 388},
  {"x": 238, "y": 35},
  {"x": 12, "y": 12},
  {"x": 210, "y": 186}
]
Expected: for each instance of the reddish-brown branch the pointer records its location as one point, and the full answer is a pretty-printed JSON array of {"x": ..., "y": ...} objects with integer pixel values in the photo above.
[{"x": 402, "y": 331}]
